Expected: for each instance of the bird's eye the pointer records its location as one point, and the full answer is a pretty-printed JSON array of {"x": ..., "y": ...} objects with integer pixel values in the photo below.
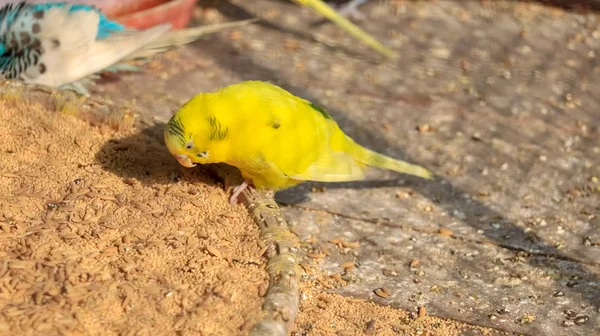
[{"x": 189, "y": 145}]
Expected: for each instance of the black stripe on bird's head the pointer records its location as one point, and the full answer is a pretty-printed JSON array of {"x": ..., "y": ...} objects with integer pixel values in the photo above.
[
  {"x": 176, "y": 130},
  {"x": 179, "y": 142},
  {"x": 218, "y": 132}
]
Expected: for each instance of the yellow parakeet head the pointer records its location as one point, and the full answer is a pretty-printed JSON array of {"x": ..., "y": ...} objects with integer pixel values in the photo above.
[{"x": 189, "y": 133}]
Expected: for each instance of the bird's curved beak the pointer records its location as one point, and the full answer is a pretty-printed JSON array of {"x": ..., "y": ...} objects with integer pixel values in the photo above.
[{"x": 185, "y": 160}]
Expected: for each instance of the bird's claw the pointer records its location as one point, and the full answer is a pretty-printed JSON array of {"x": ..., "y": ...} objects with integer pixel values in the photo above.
[
  {"x": 238, "y": 190},
  {"x": 350, "y": 10},
  {"x": 77, "y": 87}
]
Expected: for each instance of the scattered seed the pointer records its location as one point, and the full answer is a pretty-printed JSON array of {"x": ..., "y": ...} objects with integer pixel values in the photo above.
[
  {"x": 214, "y": 251},
  {"x": 109, "y": 251},
  {"x": 337, "y": 278},
  {"x": 527, "y": 318},
  {"x": 112, "y": 226},
  {"x": 381, "y": 293},
  {"x": 370, "y": 327},
  {"x": 351, "y": 245},
  {"x": 262, "y": 289},
  {"x": 68, "y": 235},
  {"x": 119, "y": 210},
  {"x": 17, "y": 264},
  {"x": 445, "y": 232},
  {"x": 129, "y": 181},
  {"x": 316, "y": 255},
  {"x": 140, "y": 234},
  {"x": 583, "y": 319},
  {"x": 262, "y": 251},
  {"x": 180, "y": 322},
  {"x": 425, "y": 128},
  {"x": 294, "y": 232},
  {"x": 157, "y": 210},
  {"x": 13, "y": 312},
  {"x": 246, "y": 325},
  {"x": 388, "y": 272},
  {"x": 403, "y": 194},
  {"x": 154, "y": 242},
  {"x": 413, "y": 263},
  {"x": 227, "y": 214},
  {"x": 348, "y": 264},
  {"x": 306, "y": 267}
]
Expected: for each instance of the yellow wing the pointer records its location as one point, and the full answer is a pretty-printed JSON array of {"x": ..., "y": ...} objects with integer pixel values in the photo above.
[
  {"x": 332, "y": 166},
  {"x": 332, "y": 163}
]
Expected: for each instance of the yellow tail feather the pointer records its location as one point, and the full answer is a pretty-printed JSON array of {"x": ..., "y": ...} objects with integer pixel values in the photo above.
[{"x": 374, "y": 159}]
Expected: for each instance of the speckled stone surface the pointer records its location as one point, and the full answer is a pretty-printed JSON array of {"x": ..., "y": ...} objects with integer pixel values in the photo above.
[{"x": 498, "y": 99}]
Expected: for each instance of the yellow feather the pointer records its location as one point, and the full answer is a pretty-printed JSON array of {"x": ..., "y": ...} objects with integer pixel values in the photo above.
[
  {"x": 322, "y": 8},
  {"x": 276, "y": 139}
]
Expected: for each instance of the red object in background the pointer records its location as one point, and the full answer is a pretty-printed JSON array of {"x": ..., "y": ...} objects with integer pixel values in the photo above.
[
  {"x": 176, "y": 12},
  {"x": 111, "y": 8},
  {"x": 115, "y": 8},
  {"x": 140, "y": 14}
]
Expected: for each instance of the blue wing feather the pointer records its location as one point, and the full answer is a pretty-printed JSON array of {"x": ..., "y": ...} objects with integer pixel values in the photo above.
[{"x": 105, "y": 27}]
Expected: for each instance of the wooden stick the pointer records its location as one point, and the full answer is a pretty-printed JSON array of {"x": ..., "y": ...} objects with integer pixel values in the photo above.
[{"x": 283, "y": 296}]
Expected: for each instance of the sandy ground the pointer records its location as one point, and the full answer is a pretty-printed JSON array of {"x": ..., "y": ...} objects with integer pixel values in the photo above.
[
  {"x": 104, "y": 234},
  {"x": 331, "y": 314}
]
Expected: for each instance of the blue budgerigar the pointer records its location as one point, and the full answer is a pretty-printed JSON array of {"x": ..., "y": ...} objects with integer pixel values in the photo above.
[{"x": 58, "y": 43}]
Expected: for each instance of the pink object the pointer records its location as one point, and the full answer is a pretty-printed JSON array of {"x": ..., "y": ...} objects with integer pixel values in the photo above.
[
  {"x": 140, "y": 14},
  {"x": 176, "y": 12},
  {"x": 110, "y": 7}
]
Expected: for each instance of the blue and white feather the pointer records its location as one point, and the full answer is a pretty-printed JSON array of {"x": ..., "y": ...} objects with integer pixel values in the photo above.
[
  {"x": 62, "y": 44},
  {"x": 59, "y": 43}
]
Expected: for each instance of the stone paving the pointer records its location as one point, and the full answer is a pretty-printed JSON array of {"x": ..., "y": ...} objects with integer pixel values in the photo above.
[{"x": 499, "y": 99}]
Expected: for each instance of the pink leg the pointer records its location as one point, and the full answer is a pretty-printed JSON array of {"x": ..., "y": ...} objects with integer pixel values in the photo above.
[{"x": 238, "y": 190}]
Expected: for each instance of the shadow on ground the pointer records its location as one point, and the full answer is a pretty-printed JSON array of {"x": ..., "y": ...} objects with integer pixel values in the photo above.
[
  {"x": 442, "y": 192},
  {"x": 143, "y": 158}
]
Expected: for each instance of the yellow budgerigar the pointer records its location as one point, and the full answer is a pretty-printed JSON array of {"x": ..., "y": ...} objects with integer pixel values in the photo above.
[{"x": 274, "y": 138}]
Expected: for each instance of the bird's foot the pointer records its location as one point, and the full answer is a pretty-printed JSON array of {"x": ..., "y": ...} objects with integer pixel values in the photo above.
[
  {"x": 238, "y": 190},
  {"x": 120, "y": 67},
  {"x": 80, "y": 86},
  {"x": 77, "y": 87},
  {"x": 350, "y": 10}
]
